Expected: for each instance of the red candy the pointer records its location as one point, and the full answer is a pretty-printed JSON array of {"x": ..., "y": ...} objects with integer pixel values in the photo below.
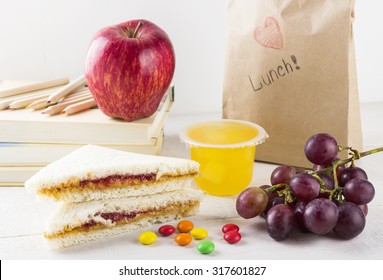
[
  {"x": 166, "y": 230},
  {"x": 232, "y": 237},
  {"x": 230, "y": 227}
]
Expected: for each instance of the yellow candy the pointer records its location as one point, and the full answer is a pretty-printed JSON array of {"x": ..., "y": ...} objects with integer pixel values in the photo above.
[
  {"x": 199, "y": 233},
  {"x": 147, "y": 237}
]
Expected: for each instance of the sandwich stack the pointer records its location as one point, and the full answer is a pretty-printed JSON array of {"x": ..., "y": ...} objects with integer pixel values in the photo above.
[
  {"x": 104, "y": 192},
  {"x": 31, "y": 138}
]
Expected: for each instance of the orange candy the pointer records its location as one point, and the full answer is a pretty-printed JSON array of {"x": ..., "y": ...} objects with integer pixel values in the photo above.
[
  {"x": 185, "y": 226},
  {"x": 183, "y": 239}
]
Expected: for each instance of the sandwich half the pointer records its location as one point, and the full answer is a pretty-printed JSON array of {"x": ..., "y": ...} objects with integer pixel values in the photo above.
[
  {"x": 77, "y": 223},
  {"x": 93, "y": 173}
]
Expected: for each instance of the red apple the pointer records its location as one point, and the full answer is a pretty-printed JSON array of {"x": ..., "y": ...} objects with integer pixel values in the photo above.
[{"x": 128, "y": 69}]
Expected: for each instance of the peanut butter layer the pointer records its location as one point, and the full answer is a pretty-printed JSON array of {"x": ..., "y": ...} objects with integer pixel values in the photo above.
[
  {"x": 123, "y": 218},
  {"x": 114, "y": 181}
]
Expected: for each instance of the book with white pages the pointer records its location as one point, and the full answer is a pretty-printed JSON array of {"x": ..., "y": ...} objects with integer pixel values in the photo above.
[
  {"x": 18, "y": 162},
  {"x": 28, "y": 154},
  {"x": 88, "y": 127}
]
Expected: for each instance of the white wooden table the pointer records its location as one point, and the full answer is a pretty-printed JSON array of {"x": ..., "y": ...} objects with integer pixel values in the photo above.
[{"x": 22, "y": 218}]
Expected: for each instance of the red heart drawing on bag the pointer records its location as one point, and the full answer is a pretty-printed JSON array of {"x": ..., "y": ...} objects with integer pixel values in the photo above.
[{"x": 269, "y": 35}]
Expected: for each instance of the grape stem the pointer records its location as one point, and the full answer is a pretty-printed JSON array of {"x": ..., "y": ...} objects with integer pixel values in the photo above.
[
  {"x": 283, "y": 190},
  {"x": 355, "y": 155},
  {"x": 337, "y": 192},
  {"x": 276, "y": 187},
  {"x": 370, "y": 152}
]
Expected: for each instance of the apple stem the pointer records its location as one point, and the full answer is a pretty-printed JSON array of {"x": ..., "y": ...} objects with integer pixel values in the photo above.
[{"x": 136, "y": 30}]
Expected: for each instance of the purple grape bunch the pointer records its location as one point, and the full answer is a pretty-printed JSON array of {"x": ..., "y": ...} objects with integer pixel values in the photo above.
[{"x": 331, "y": 197}]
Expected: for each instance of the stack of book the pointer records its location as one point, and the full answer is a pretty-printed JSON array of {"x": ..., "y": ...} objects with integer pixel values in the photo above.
[{"x": 30, "y": 140}]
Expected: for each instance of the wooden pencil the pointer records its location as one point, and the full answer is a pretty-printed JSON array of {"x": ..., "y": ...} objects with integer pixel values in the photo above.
[
  {"x": 79, "y": 107},
  {"x": 42, "y": 103},
  {"x": 33, "y": 87},
  {"x": 39, "y": 104},
  {"x": 73, "y": 85},
  {"x": 77, "y": 94},
  {"x": 24, "y": 102},
  {"x": 6, "y": 102},
  {"x": 56, "y": 109},
  {"x": 4, "y": 105}
]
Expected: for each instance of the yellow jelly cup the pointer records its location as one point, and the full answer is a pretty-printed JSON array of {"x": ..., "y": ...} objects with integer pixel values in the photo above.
[{"x": 225, "y": 150}]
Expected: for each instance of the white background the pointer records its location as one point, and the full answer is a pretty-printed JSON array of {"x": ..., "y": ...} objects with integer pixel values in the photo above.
[{"x": 42, "y": 39}]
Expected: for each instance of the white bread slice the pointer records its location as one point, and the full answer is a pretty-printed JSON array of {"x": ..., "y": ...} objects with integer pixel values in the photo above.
[
  {"x": 64, "y": 226},
  {"x": 62, "y": 179}
]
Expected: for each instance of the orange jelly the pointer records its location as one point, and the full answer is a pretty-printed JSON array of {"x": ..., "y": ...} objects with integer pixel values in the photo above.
[{"x": 225, "y": 150}]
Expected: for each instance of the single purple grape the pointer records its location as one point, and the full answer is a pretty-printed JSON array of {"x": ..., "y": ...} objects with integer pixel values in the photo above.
[
  {"x": 351, "y": 173},
  {"x": 320, "y": 215},
  {"x": 321, "y": 149},
  {"x": 251, "y": 202},
  {"x": 351, "y": 221},
  {"x": 304, "y": 186},
  {"x": 282, "y": 174},
  {"x": 280, "y": 221},
  {"x": 359, "y": 191}
]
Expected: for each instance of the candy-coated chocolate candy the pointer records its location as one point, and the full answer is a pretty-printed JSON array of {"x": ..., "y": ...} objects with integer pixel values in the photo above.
[
  {"x": 230, "y": 227},
  {"x": 147, "y": 237},
  {"x": 185, "y": 226},
  {"x": 166, "y": 230},
  {"x": 205, "y": 247},
  {"x": 183, "y": 239},
  {"x": 232, "y": 237},
  {"x": 199, "y": 233}
]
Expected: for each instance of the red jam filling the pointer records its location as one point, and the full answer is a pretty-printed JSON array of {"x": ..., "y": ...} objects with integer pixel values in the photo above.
[
  {"x": 114, "y": 217},
  {"x": 110, "y": 180}
]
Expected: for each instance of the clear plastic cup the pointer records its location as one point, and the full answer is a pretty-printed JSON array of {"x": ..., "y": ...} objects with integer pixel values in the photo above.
[{"x": 225, "y": 150}]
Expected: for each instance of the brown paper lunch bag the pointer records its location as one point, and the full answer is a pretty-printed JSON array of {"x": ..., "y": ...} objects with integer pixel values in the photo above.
[{"x": 290, "y": 67}]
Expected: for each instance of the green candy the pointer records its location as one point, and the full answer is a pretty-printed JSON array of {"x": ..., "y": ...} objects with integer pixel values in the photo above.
[{"x": 205, "y": 247}]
